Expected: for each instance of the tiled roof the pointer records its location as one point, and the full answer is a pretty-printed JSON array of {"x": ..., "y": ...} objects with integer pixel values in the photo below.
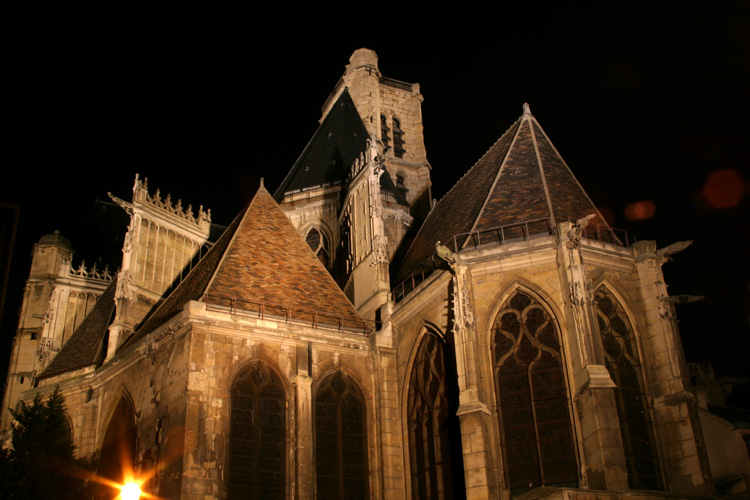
[
  {"x": 522, "y": 177},
  {"x": 260, "y": 259},
  {"x": 84, "y": 348}
]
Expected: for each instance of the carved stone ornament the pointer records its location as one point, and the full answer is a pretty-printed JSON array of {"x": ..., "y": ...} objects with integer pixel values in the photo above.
[
  {"x": 576, "y": 232},
  {"x": 664, "y": 305},
  {"x": 463, "y": 311},
  {"x": 664, "y": 254},
  {"x": 44, "y": 348},
  {"x": 124, "y": 280},
  {"x": 445, "y": 253},
  {"x": 379, "y": 250},
  {"x": 127, "y": 244}
]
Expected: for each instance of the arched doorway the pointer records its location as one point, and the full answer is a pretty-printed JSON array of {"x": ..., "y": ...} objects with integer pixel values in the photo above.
[{"x": 118, "y": 451}]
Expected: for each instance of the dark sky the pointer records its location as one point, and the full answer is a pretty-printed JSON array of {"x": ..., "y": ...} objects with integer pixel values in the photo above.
[{"x": 645, "y": 105}]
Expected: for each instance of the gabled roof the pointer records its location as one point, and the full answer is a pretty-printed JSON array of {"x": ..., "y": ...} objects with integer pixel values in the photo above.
[
  {"x": 85, "y": 347},
  {"x": 521, "y": 178},
  {"x": 328, "y": 157},
  {"x": 260, "y": 259}
]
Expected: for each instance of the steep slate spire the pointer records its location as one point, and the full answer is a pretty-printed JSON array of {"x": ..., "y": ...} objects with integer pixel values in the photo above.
[
  {"x": 329, "y": 155},
  {"x": 522, "y": 177},
  {"x": 260, "y": 258}
]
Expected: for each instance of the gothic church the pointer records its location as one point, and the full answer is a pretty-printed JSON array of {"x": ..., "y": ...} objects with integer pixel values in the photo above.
[{"x": 347, "y": 337}]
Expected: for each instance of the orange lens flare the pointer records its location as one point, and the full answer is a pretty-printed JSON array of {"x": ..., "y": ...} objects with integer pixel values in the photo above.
[
  {"x": 723, "y": 188},
  {"x": 640, "y": 210},
  {"x": 130, "y": 491}
]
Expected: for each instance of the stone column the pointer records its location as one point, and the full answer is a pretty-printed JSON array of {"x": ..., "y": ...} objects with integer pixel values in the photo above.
[
  {"x": 387, "y": 479},
  {"x": 603, "y": 457},
  {"x": 303, "y": 426},
  {"x": 675, "y": 410},
  {"x": 473, "y": 413}
]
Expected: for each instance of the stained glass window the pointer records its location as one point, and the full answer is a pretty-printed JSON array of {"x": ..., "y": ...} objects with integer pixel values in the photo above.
[
  {"x": 257, "y": 436},
  {"x": 318, "y": 242},
  {"x": 532, "y": 399},
  {"x": 623, "y": 364},
  {"x": 434, "y": 433},
  {"x": 341, "y": 469}
]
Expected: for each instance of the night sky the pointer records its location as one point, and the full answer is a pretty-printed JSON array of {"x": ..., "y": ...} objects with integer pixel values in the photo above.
[{"x": 649, "y": 108}]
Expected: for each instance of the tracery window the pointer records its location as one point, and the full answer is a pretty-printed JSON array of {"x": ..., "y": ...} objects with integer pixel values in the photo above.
[
  {"x": 434, "y": 434},
  {"x": 622, "y": 361},
  {"x": 532, "y": 399},
  {"x": 398, "y": 139},
  {"x": 340, "y": 440},
  {"x": 318, "y": 242},
  {"x": 257, "y": 435}
]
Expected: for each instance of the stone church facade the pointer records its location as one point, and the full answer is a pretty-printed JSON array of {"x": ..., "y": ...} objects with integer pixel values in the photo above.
[{"x": 345, "y": 337}]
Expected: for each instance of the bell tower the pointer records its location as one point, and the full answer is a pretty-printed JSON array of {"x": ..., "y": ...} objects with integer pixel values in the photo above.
[
  {"x": 391, "y": 110},
  {"x": 362, "y": 181}
]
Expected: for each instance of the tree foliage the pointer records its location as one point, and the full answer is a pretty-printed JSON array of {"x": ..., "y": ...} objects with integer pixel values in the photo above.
[{"x": 42, "y": 463}]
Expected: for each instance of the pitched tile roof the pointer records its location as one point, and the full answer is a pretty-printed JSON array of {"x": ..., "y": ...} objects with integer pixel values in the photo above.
[
  {"x": 329, "y": 155},
  {"x": 85, "y": 347},
  {"x": 522, "y": 177},
  {"x": 260, "y": 259}
]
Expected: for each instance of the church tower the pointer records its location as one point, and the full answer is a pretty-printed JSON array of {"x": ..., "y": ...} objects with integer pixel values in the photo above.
[
  {"x": 391, "y": 111},
  {"x": 362, "y": 181},
  {"x": 57, "y": 299}
]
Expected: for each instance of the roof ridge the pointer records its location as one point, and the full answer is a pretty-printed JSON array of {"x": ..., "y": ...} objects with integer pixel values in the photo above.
[
  {"x": 540, "y": 163},
  {"x": 503, "y": 162},
  {"x": 241, "y": 216},
  {"x": 417, "y": 250},
  {"x": 578, "y": 183},
  {"x": 480, "y": 159},
  {"x": 192, "y": 276}
]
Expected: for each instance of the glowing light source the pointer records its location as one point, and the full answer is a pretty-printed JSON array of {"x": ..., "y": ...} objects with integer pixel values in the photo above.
[
  {"x": 130, "y": 491},
  {"x": 724, "y": 188},
  {"x": 640, "y": 210}
]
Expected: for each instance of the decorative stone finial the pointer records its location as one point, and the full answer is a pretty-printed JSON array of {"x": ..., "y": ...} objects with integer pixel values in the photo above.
[
  {"x": 526, "y": 109},
  {"x": 261, "y": 183}
]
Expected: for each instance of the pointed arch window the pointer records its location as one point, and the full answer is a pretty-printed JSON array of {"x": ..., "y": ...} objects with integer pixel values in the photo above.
[
  {"x": 341, "y": 440},
  {"x": 434, "y": 433},
  {"x": 532, "y": 398},
  {"x": 257, "y": 435},
  {"x": 398, "y": 139},
  {"x": 623, "y": 364},
  {"x": 318, "y": 243}
]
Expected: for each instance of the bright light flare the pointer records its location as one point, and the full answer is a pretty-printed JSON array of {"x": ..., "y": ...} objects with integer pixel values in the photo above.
[{"x": 130, "y": 491}]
